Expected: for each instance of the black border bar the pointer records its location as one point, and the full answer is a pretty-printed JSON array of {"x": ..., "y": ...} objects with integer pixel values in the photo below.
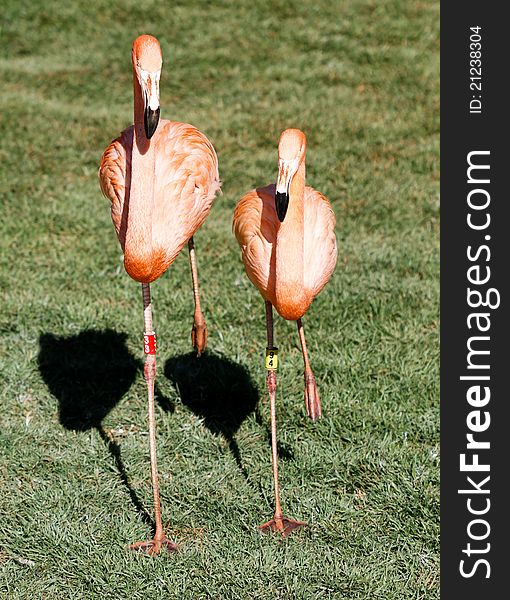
[{"x": 475, "y": 429}]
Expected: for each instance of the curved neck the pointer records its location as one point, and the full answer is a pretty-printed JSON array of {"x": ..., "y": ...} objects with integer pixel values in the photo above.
[
  {"x": 138, "y": 244},
  {"x": 290, "y": 242}
]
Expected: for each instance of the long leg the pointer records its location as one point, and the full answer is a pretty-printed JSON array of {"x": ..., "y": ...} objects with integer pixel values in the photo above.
[
  {"x": 199, "y": 330},
  {"x": 312, "y": 398},
  {"x": 279, "y": 523},
  {"x": 160, "y": 540}
]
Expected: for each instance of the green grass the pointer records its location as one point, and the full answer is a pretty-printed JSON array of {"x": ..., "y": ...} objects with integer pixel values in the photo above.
[{"x": 361, "y": 79}]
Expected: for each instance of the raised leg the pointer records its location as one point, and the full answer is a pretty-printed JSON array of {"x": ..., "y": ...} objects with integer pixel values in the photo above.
[
  {"x": 312, "y": 398},
  {"x": 199, "y": 329},
  {"x": 160, "y": 540},
  {"x": 279, "y": 523}
]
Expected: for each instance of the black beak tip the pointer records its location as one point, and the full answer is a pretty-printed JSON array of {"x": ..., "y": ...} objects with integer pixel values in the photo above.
[
  {"x": 151, "y": 121},
  {"x": 282, "y": 203}
]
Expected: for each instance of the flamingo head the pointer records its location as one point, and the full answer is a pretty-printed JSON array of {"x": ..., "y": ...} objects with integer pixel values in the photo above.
[
  {"x": 147, "y": 62},
  {"x": 291, "y": 153}
]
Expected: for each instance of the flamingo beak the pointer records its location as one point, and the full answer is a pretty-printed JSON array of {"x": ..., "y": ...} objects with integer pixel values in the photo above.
[
  {"x": 151, "y": 120},
  {"x": 285, "y": 174},
  {"x": 150, "y": 90},
  {"x": 282, "y": 204}
]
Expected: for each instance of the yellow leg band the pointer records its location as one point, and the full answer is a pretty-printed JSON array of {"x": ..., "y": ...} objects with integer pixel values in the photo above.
[{"x": 271, "y": 359}]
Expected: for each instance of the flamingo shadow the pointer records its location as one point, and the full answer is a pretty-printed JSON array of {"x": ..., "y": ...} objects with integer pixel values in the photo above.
[
  {"x": 216, "y": 389},
  {"x": 88, "y": 374}
]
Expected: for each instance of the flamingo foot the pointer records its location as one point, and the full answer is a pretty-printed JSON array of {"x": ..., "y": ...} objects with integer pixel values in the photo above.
[
  {"x": 199, "y": 336},
  {"x": 282, "y": 525},
  {"x": 155, "y": 546},
  {"x": 312, "y": 398}
]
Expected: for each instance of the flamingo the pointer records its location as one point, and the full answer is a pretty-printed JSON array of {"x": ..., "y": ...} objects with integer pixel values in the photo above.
[
  {"x": 161, "y": 178},
  {"x": 287, "y": 239}
]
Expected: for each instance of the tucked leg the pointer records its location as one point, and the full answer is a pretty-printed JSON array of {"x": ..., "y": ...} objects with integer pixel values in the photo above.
[
  {"x": 199, "y": 329},
  {"x": 312, "y": 398},
  {"x": 160, "y": 540},
  {"x": 279, "y": 523}
]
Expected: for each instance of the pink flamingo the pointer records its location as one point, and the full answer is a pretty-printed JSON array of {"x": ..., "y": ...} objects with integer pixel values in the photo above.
[
  {"x": 161, "y": 178},
  {"x": 287, "y": 238}
]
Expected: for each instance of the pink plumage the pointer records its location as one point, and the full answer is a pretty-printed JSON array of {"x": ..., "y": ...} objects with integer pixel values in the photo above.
[
  {"x": 256, "y": 228},
  {"x": 186, "y": 181}
]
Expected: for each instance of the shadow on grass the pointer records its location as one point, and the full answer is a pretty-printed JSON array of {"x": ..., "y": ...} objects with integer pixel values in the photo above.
[
  {"x": 88, "y": 374},
  {"x": 217, "y": 390}
]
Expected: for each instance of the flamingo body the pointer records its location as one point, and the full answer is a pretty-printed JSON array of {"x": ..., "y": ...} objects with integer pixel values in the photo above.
[
  {"x": 256, "y": 227},
  {"x": 288, "y": 245},
  {"x": 161, "y": 178},
  {"x": 186, "y": 180}
]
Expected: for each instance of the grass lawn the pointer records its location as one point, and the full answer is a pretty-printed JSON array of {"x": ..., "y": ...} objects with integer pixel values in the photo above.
[{"x": 361, "y": 79}]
